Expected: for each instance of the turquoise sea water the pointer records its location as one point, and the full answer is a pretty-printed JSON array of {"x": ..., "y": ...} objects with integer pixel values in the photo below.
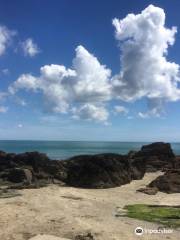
[{"x": 66, "y": 149}]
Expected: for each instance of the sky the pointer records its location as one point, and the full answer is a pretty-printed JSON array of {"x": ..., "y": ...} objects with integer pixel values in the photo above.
[{"x": 90, "y": 70}]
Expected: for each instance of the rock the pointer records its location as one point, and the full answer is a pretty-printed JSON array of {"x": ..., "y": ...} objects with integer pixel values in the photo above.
[
  {"x": 30, "y": 169},
  {"x": 41, "y": 165},
  {"x": 6, "y": 161},
  {"x": 17, "y": 175},
  {"x": 131, "y": 154},
  {"x": 87, "y": 236},
  {"x": 177, "y": 162},
  {"x": 137, "y": 168},
  {"x": 33, "y": 169},
  {"x": 148, "y": 190},
  {"x": 158, "y": 149},
  {"x": 168, "y": 183},
  {"x": 157, "y": 156},
  {"x": 34, "y": 159},
  {"x": 102, "y": 170}
]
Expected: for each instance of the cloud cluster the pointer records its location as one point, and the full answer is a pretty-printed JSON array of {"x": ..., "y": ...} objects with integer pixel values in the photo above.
[
  {"x": 30, "y": 48},
  {"x": 85, "y": 89},
  {"x": 145, "y": 70},
  {"x": 82, "y": 90}
]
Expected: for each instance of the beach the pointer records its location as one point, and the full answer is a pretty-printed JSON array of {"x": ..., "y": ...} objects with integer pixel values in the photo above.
[{"x": 67, "y": 211}]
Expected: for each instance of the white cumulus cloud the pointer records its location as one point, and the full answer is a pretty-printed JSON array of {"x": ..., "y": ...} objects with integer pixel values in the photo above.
[
  {"x": 92, "y": 81},
  {"x": 145, "y": 70},
  {"x": 86, "y": 86},
  {"x": 25, "y": 81},
  {"x": 91, "y": 112}
]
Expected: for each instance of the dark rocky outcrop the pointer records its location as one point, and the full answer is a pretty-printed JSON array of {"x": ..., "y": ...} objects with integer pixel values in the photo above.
[
  {"x": 177, "y": 162},
  {"x": 33, "y": 169},
  {"x": 89, "y": 171},
  {"x": 157, "y": 156},
  {"x": 103, "y": 170},
  {"x": 168, "y": 183}
]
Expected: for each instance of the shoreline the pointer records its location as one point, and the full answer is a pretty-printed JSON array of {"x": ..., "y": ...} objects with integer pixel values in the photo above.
[
  {"x": 66, "y": 149},
  {"x": 84, "y": 194}
]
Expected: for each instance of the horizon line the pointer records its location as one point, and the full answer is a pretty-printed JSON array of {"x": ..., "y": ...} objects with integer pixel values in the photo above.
[{"x": 118, "y": 141}]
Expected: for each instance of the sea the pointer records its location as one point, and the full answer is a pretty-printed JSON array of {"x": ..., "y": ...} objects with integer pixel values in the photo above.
[{"x": 65, "y": 149}]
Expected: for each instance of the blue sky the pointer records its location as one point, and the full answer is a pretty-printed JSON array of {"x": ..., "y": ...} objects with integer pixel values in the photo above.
[{"x": 86, "y": 78}]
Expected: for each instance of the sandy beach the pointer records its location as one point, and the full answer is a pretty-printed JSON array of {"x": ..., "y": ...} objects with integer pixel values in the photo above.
[
  {"x": 66, "y": 212},
  {"x": 89, "y": 120}
]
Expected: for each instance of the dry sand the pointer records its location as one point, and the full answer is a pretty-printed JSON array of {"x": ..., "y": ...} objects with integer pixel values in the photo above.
[{"x": 65, "y": 212}]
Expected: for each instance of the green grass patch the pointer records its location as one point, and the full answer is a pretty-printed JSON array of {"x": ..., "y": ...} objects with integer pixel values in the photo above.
[{"x": 165, "y": 215}]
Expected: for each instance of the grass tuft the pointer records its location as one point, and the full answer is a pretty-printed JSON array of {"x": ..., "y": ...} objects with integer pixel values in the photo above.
[{"x": 165, "y": 215}]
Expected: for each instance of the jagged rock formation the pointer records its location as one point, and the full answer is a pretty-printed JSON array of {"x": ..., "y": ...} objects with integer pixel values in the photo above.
[
  {"x": 33, "y": 169},
  {"x": 157, "y": 156},
  {"x": 103, "y": 170},
  {"x": 96, "y": 171},
  {"x": 168, "y": 183}
]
